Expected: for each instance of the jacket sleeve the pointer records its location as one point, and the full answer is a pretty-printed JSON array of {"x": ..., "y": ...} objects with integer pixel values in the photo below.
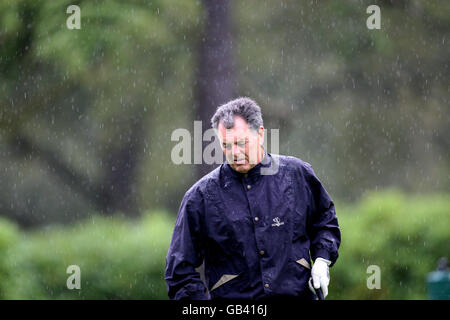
[
  {"x": 323, "y": 228},
  {"x": 186, "y": 252}
]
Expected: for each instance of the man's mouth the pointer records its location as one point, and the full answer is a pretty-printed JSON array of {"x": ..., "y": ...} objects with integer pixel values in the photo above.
[{"x": 239, "y": 161}]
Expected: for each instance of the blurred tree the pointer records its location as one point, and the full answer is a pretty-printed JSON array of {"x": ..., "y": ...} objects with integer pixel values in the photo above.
[
  {"x": 215, "y": 77},
  {"x": 78, "y": 102},
  {"x": 91, "y": 111},
  {"x": 369, "y": 109}
]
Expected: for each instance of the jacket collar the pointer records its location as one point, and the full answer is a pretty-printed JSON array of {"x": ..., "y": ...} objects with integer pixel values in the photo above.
[{"x": 253, "y": 173}]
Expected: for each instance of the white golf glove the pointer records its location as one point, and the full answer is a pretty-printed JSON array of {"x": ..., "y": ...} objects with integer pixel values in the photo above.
[{"x": 320, "y": 274}]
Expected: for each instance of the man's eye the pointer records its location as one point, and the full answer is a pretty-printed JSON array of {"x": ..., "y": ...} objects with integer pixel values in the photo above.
[
  {"x": 227, "y": 146},
  {"x": 242, "y": 143}
]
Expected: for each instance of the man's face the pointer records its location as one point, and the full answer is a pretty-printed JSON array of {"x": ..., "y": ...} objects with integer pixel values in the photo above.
[{"x": 241, "y": 145}]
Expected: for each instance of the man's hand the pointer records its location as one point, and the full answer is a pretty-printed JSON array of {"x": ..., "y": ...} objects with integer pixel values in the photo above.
[{"x": 321, "y": 275}]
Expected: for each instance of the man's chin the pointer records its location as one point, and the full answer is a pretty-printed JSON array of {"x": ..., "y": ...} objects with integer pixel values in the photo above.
[{"x": 242, "y": 168}]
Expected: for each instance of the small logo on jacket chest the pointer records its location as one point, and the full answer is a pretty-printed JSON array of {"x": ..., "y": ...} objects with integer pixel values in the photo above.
[{"x": 277, "y": 221}]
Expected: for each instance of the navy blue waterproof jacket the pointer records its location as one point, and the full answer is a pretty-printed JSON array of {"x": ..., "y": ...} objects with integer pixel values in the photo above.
[{"x": 255, "y": 232}]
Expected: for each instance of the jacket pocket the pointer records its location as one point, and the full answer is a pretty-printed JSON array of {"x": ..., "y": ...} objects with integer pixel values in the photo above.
[
  {"x": 301, "y": 272},
  {"x": 223, "y": 279},
  {"x": 304, "y": 263}
]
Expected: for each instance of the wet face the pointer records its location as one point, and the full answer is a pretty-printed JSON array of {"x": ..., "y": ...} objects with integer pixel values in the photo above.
[{"x": 241, "y": 145}]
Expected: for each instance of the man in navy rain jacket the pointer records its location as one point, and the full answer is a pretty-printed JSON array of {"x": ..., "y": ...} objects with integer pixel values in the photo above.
[{"x": 255, "y": 222}]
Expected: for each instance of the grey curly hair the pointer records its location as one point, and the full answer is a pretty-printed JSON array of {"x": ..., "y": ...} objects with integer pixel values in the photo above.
[{"x": 243, "y": 107}]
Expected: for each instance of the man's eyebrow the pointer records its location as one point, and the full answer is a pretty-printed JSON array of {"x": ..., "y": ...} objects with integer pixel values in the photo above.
[{"x": 237, "y": 141}]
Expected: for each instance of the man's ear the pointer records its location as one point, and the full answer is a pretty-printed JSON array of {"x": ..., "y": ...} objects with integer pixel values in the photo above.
[{"x": 261, "y": 135}]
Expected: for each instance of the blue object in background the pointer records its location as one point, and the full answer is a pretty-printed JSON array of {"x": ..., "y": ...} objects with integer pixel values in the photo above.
[{"x": 439, "y": 282}]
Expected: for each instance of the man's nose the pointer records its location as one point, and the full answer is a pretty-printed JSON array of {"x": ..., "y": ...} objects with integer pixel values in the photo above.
[{"x": 236, "y": 150}]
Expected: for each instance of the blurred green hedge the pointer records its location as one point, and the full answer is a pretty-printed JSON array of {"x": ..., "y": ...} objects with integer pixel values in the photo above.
[
  {"x": 404, "y": 235},
  {"x": 125, "y": 259},
  {"x": 118, "y": 259}
]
